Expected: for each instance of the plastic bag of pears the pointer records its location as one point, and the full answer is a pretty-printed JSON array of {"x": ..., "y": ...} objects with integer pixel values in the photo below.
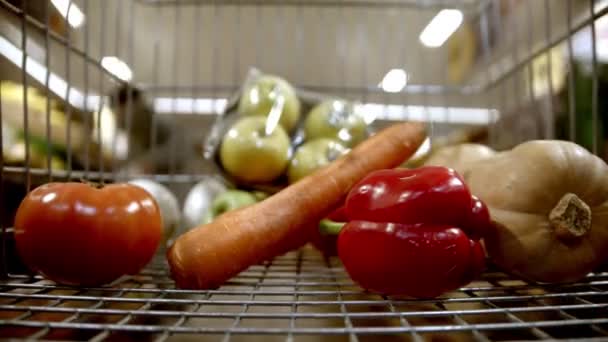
[{"x": 271, "y": 134}]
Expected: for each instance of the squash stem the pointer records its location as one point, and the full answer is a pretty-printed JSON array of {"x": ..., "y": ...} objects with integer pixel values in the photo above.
[{"x": 571, "y": 217}]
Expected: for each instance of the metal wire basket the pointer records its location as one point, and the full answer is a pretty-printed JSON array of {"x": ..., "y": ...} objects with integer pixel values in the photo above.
[{"x": 498, "y": 73}]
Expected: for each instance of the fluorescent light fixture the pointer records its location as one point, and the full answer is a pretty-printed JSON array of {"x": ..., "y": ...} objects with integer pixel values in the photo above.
[
  {"x": 600, "y": 5},
  {"x": 581, "y": 42},
  {"x": 186, "y": 105},
  {"x": 394, "y": 81},
  {"x": 372, "y": 111},
  {"x": 69, "y": 10},
  {"x": 117, "y": 67},
  {"x": 452, "y": 115},
  {"x": 441, "y": 27},
  {"x": 57, "y": 85}
]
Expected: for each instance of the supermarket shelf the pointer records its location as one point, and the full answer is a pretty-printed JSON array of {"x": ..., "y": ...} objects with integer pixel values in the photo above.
[
  {"x": 299, "y": 295},
  {"x": 18, "y": 174}
]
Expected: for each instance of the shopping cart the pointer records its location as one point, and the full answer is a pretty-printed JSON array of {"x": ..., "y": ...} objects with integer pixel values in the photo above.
[{"x": 506, "y": 72}]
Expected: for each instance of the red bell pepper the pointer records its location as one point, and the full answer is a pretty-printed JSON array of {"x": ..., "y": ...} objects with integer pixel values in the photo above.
[
  {"x": 338, "y": 215},
  {"x": 413, "y": 232}
]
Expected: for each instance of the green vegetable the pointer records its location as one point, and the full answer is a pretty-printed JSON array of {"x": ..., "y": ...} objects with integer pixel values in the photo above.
[{"x": 228, "y": 201}]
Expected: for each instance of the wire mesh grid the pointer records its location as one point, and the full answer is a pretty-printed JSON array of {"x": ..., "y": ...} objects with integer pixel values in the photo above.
[
  {"x": 301, "y": 295},
  {"x": 298, "y": 296}
]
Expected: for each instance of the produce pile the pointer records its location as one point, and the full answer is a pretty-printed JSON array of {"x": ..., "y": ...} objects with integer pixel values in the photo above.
[
  {"x": 273, "y": 137},
  {"x": 13, "y": 136},
  {"x": 537, "y": 211},
  {"x": 47, "y": 136}
]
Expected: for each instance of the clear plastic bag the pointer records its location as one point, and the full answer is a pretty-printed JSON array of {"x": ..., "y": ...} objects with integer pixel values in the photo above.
[{"x": 245, "y": 138}]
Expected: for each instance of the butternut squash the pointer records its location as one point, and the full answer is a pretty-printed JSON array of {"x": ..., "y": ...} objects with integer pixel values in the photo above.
[
  {"x": 549, "y": 204},
  {"x": 460, "y": 157}
]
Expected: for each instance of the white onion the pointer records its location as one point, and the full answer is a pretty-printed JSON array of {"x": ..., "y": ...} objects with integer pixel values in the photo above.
[
  {"x": 167, "y": 202},
  {"x": 199, "y": 200}
]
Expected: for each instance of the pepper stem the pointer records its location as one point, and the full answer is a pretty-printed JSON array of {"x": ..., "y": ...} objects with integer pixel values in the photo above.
[
  {"x": 329, "y": 227},
  {"x": 571, "y": 217}
]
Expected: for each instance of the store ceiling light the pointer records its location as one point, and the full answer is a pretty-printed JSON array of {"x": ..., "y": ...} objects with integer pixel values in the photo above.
[
  {"x": 56, "y": 84},
  {"x": 69, "y": 10},
  {"x": 437, "y": 114},
  {"x": 600, "y": 5},
  {"x": 186, "y": 105},
  {"x": 394, "y": 81},
  {"x": 372, "y": 111},
  {"x": 117, "y": 67},
  {"x": 441, "y": 27}
]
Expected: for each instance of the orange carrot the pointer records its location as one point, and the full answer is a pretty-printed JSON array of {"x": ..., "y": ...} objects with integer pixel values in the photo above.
[{"x": 210, "y": 254}]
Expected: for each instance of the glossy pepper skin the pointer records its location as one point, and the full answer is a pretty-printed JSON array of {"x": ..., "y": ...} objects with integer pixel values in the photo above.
[{"x": 413, "y": 232}]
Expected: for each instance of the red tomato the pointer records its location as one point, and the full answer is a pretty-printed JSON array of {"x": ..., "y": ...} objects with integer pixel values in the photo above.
[{"x": 77, "y": 234}]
